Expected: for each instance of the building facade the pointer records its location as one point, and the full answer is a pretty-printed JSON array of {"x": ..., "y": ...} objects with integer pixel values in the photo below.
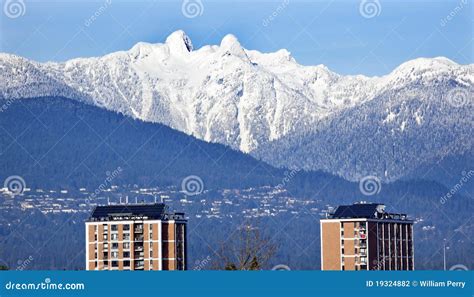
[
  {"x": 135, "y": 237},
  {"x": 363, "y": 236}
]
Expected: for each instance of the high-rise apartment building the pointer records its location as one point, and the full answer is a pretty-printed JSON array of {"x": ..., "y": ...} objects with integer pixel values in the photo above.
[
  {"x": 135, "y": 237},
  {"x": 363, "y": 236}
]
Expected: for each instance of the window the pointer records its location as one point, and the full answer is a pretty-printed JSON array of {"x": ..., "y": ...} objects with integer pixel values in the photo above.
[
  {"x": 114, "y": 236},
  {"x": 114, "y": 263},
  {"x": 106, "y": 237},
  {"x": 126, "y": 236},
  {"x": 114, "y": 255},
  {"x": 126, "y": 263},
  {"x": 126, "y": 254},
  {"x": 126, "y": 227},
  {"x": 151, "y": 235},
  {"x": 114, "y": 228},
  {"x": 126, "y": 245},
  {"x": 95, "y": 237},
  {"x": 114, "y": 245},
  {"x": 106, "y": 227},
  {"x": 106, "y": 246}
]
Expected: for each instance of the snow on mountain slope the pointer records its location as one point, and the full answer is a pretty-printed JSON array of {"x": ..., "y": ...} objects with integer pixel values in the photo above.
[
  {"x": 227, "y": 94},
  {"x": 388, "y": 137}
]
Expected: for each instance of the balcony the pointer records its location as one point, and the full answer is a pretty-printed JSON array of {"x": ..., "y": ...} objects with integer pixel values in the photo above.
[
  {"x": 138, "y": 248},
  {"x": 139, "y": 266},
  {"x": 139, "y": 255},
  {"x": 138, "y": 238},
  {"x": 138, "y": 229}
]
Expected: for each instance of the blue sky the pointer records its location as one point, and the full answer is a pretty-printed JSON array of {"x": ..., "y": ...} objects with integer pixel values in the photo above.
[{"x": 339, "y": 34}]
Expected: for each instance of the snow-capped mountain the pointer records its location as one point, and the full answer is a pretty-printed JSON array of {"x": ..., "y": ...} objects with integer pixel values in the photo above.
[{"x": 268, "y": 105}]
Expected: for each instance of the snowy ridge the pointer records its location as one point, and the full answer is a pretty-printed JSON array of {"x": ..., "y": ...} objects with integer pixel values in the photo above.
[{"x": 225, "y": 93}]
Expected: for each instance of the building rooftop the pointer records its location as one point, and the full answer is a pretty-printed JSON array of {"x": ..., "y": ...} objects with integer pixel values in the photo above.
[
  {"x": 154, "y": 211},
  {"x": 367, "y": 211}
]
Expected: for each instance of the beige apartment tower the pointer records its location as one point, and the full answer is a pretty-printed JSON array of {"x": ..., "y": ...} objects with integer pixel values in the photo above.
[
  {"x": 363, "y": 236},
  {"x": 135, "y": 237}
]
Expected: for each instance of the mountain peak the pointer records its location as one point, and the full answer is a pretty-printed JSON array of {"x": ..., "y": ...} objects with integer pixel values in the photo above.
[
  {"x": 230, "y": 44},
  {"x": 229, "y": 41},
  {"x": 178, "y": 41},
  {"x": 421, "y": 64}
]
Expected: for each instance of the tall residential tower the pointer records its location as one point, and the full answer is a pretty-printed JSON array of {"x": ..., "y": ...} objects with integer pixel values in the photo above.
[
  {"x": 135, "y": 237},
  {"x": 363, "y": 236}
]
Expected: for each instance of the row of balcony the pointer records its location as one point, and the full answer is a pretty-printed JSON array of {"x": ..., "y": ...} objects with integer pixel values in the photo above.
[{"x": 137, "y": 266}]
